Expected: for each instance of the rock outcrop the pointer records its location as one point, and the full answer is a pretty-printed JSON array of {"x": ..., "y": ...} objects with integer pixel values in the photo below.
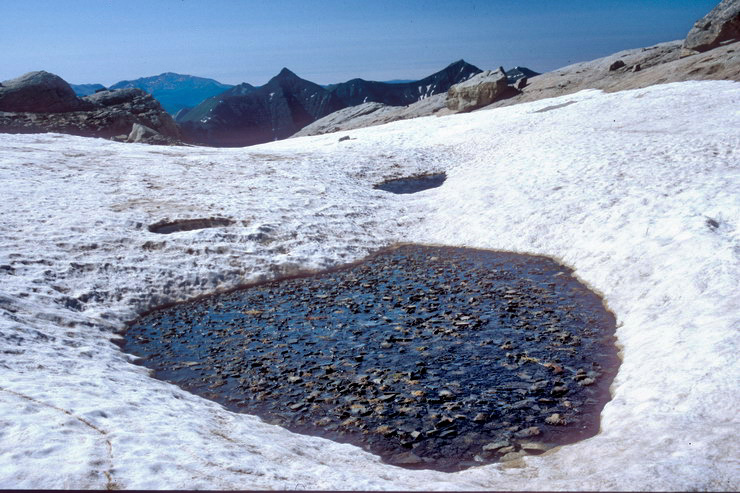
[
  {"x": 478, "y": 91},
  {"x": 370, "y": 114},
  {"x": 144, "y": 135},
  {"x": 659, "y": 64},
  {"x": 40, "y": 92},
  {"x": 103, "y": 114},
  {"x": 720, "y": 25}
]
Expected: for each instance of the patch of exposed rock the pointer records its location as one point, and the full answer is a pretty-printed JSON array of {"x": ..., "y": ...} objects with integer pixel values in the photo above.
[
  {"x": 642, "y": 67},
  {"x": 720, "y": 25},
  {"x": 370, "y": 114},
  {"x": 48, "y": 104},
  {"x": 478, "y": 91}
]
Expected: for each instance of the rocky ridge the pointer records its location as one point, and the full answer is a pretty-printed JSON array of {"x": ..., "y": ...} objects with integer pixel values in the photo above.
[
  {"x": 246, "y": 115},
  {"x": 359, "y": 91},
  {"x": 41, "y": 102},
  {"x": 673, "y": 61}
]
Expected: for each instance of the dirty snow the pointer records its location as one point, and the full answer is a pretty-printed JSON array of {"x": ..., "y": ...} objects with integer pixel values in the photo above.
[{"x": 639, "y": 191}]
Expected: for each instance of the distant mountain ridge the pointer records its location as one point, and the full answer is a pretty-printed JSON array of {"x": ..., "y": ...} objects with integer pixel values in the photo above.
[
  {"x": 176, "y": 91},
  {"x": 519, "y": 73},
  {"x": 359, "y": 91},
  {"x": 83, "y": 90},
  {"x": 245, "y": 115}
]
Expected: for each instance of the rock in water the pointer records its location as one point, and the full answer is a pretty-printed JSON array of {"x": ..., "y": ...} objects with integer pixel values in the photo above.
[
  {"x": 721, "y": 24},
  {"x": 478, "y": 91},
  {"x": 40, "y": 92}
]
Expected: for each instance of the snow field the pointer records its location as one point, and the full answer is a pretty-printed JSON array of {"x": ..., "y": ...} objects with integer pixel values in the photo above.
[{"x": 624, "y": 187}]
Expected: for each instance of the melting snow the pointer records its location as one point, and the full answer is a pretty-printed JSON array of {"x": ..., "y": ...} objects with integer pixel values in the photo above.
[{"x": 637, "y": 190}]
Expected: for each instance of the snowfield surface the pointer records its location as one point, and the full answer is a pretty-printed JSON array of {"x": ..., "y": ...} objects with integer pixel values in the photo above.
[{"x": 639, "y": 191}]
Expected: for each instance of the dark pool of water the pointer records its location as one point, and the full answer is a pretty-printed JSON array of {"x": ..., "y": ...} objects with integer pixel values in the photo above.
[
  {"x": 431, "y": 357},
  {"x": 412, "y": 184}
]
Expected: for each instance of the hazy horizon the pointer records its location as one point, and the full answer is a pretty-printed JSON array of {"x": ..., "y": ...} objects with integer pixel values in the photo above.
[{"x": 86, "y": 41}]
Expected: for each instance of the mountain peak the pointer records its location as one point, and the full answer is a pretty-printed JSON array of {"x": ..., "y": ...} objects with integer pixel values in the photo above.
[
  {"x": 285, "y": 72},
  {"x": 458, "y": 63}
]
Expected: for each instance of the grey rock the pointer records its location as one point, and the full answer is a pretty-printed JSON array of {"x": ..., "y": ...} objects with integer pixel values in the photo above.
[
  {"x": 555, "y": 419},
  {"x": 512, "y": 456},
  {"x": 478, "y": 91},
  {"x": 534, "y": 446},
  {"x": 528, "y": 432},
  {"x": 520, "y": 84},
  {"x": 145, "y": 135},
  {"x": 721, "y": 24},
  {"x": 40, "y": 92},
  {"x": 406, "y": 459},
  {"x": 496, "y": 445}
]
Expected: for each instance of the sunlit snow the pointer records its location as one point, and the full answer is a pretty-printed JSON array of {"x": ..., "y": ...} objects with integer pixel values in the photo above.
[{"x": 639, "y": 191}]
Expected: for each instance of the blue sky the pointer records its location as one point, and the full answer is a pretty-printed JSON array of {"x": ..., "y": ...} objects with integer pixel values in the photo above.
[{"x": 86, "y": 41}]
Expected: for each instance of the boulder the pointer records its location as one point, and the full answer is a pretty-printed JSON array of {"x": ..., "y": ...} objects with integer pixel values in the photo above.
[
  {"x": 478, "y": 91},
  {"x": 145, "y": 135},
  {"x": 719, "y": 25},
  {"x": 39, "y": 92}
]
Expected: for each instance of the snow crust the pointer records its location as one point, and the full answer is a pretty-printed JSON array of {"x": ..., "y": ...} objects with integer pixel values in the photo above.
[{"x": 639, "y": 191}]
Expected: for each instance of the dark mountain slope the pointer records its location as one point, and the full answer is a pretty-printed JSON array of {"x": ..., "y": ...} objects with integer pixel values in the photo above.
[
  {"x": 176, "y": 91},
  {"x": 358, "y": 91},
  {"x": 203, "y": 109},
  {"x": 274, "y": 111},
  {"x": 83, "y": 90},
  {"x": 519, "y": 73}
]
